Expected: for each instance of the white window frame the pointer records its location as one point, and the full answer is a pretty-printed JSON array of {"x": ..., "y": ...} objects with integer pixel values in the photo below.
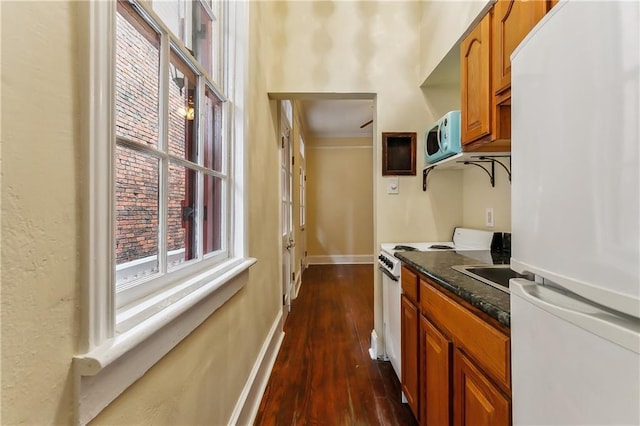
[{"x": 141, "y": 334}]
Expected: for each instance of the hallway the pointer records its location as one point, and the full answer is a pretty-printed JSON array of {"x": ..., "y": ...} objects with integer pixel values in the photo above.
[{"x": 323, "y": 374}]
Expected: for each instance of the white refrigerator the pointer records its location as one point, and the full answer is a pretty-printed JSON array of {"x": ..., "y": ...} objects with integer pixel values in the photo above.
[{"x": 575, "y": 327}]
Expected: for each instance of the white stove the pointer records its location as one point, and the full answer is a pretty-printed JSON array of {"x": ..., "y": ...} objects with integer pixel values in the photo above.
[{"x": 463, "y": 239}]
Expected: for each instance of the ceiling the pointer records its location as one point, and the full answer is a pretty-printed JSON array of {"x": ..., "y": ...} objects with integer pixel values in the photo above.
[{"x": 338, "y": 118}]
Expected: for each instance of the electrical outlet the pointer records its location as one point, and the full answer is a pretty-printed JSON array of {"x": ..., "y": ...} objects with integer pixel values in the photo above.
[{"x": 488, "y": 217}]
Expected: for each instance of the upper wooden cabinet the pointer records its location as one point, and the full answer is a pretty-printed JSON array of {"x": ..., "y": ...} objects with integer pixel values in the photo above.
[
  {"x": 475, "y": 58},
  {"x": 512, "y": 21},
  {"x": 552, "y": 3},
  {"x": 486, "y": 72}
]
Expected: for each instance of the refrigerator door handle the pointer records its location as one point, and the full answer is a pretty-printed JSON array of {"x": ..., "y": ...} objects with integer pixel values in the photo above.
[{"x": 617, "y": 328}]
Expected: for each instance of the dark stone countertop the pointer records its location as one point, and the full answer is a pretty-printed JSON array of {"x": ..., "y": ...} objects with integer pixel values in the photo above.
[{"x": 437, "y": 266}]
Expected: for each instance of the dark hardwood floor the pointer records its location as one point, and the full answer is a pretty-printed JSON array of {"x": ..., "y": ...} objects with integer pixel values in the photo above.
[{"x": 323, "y": 374}]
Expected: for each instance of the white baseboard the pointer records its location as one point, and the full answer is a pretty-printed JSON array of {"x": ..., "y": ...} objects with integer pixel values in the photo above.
[
  {"x": 340, "y": 259},
  {"x": 297, "y": 284},
  {"x": 248, "y": 403}
]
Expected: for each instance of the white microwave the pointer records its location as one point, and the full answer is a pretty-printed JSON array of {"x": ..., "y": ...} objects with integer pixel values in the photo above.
[{"x": 442, "y": 138}]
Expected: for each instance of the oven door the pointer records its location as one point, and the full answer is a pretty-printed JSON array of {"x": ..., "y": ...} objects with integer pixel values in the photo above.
[{"x": 391, "y": 318}]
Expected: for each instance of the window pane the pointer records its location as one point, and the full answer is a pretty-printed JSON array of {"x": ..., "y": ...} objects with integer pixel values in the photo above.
[
  {"x": 180, "y": 215},
  {"x": 172, "y": 13},
  {"x": 182, "y": 110},
  {"x": 213, "y": 149},
  {"x": 201, "y": 36},
  {"x": 137, "y": 71},
  {"x": 212, "y": 224},
  {"x": 136, "y": 214}
]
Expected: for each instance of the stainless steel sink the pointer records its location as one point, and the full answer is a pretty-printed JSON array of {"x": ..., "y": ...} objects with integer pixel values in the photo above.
[{"x": 497, "y": 276}]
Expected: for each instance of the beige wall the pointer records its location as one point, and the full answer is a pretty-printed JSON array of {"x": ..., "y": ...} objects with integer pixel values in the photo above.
[
  {"x": 199, "y": 382},
  {"x": 40, "y": 211},
  {"x": 362, "y": 47},
  {"x": 340, "y": 197},
  {"x": 366, "y": 47},
  {"x": 442, "y": 25},
  {"x": 479, "y": 195}
]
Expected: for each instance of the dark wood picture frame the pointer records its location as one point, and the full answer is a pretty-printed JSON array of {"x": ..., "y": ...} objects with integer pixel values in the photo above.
[{"x": 398, "y": 153}]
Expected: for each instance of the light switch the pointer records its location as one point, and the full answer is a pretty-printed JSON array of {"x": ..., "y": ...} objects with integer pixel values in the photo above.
[{"x": 393, "y": 187}]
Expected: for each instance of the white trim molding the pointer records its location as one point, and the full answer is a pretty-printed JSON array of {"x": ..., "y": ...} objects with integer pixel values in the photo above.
[
  {"x": 109, "y": 369},
  {"x": 297, "y": 283},
  {"x": 346, "y": 259},
  {"x": 98, "y": 313},
  {"x": 248, "y": 404}
]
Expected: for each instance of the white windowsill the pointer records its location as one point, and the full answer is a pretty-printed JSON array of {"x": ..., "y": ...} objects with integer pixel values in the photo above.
[{"x": 107, "y": 370}]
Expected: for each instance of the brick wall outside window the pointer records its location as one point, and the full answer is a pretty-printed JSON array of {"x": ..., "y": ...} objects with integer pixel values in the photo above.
[{"x": 137, "y": 97}]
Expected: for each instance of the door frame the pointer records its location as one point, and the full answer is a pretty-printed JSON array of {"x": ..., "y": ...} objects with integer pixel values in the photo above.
[{"x": 286, "y": 206}]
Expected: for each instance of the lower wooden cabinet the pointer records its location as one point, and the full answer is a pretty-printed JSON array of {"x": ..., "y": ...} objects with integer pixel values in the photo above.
[
  {"x": 435, "y": 375},
  {"x": 455, "y": 359},
  {"x": 409, "y": 318},
  {"x": 477, "y": 401}
]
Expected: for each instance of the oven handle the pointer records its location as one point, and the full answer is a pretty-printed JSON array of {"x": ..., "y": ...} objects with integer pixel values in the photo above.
[{"x": 388, "y": 274}]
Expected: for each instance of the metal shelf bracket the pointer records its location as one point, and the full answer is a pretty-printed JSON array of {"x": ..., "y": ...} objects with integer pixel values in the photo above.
[
  {"x": 484, "y": 159},
  {"x": 425, "y": 174},
  {"x": 485, "y": 162}
]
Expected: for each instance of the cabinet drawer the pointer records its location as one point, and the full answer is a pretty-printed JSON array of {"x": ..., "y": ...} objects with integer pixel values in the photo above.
[
  {"x": 489, "y": 347},
  {"x": 409, "y": 284}
]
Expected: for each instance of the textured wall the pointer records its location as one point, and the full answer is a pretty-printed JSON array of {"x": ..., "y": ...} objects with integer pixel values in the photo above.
[
  {"x": 199, "y": 382},
  {"x": 340, "y": 197},
  {"x": 40, "y": 211}
]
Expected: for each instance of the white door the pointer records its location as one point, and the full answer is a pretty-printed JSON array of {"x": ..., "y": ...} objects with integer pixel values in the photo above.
[{"x": 286, "y": 180}]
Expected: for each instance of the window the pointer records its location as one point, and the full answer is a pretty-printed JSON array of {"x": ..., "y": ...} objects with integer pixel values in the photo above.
[
  {"x": 171, "y": 168},
  {"x": 164, "y": 124}
]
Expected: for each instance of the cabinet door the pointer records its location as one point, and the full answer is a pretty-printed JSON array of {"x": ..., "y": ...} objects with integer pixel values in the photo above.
[
  {"x": 475, "y": 57},
  {"x": 477, "y": 402},
  {"x": 512, "y": 21},
  {"x": 409, "y": 352},
  {"x": 435, "y": 375},
  {"x": 551, "y": 3}
]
